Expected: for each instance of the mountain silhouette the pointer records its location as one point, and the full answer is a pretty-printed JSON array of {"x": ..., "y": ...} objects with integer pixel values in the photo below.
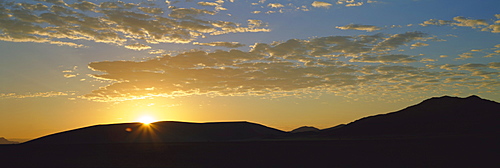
[
  {"x": 5, "y": 141},
  {"x": 305, "y": 129},
  {"x": 439, "y": 116},
  {"x": 159, "y": 132},
  {"x": 438, "y": 132}
]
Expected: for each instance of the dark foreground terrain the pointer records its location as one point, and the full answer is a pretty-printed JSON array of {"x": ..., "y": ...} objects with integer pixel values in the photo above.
[
  {"x": 438, "y": 132},
  {"x": 468, "y": 151}
]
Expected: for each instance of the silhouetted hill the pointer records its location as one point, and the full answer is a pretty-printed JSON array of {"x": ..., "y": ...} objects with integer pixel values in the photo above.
[
  {"x": 439, "y": 116},
  {"x": 167, "y": 131},
  {"x": 305, "y": 129},
  {"x": 238, "y": 144},
  {"x": 5, "y": 141},
  {"x": 333, "y": 128}
]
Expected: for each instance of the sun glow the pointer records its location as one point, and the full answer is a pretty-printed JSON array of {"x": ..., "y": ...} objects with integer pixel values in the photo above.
[{"x": 146, "y": 119}]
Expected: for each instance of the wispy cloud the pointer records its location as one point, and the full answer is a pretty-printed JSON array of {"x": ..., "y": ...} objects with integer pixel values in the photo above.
[
  {"x": 461, "y": 21},
  {"x": 138, "y": 46},
  {"x": 396, "y": 58},
  {"x": 33, "y": 95},
  {"x": 221, "y": 44},
  {"x": 399, "y": 39},
  {"x": 368, "y": 28}
]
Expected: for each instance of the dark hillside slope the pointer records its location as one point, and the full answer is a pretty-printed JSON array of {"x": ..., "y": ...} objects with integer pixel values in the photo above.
[
  {"x": 5, "y": 141},
  {"x": 439, "y": 116},
  {"x": 167, "y": 131}
]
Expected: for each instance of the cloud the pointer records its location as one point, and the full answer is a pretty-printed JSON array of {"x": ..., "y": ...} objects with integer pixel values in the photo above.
[
  {"x": 448, "y": 67},
  {"x": 221, "y": 44},
  {"x": 418, "y": 44},
  {"x": 208, "y": 4},
  {"x": 137, "y": 46},
  {"x": 396, "y": 58},
  {"x": 466, "y": 22},
  {"x": 57, "y": 2},
  {"x": 228, "y": 27},
  {"x": 493, "y": 28},
  {"x": 275, "y": 5},
  {"x": 318, "y": 4},
  {"x": 120, "y": 23},
  {"x": 462, "y": 21},
  {"x": 160, "y": 51},
  {"x": 465, "y": 56},
  {"x": 428, "y": 60},
  {"x": 350, "y": 3},
  {"x": 69, "y": 75},
  {"x": 472, "y": 66},
  {"x": 354, "y": 4},
  {"x": 399, "y": 39},
  {"x": 217, "y": 5},
  {"x": 294, "y": 67},
  {"x": 33, "y": 95},
  {"x": 368, "y": 28},
  {"x": 494, "y": 65}
]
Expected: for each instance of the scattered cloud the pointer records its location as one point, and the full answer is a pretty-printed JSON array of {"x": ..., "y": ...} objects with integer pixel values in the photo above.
[
  {"x": 354, "y": 4},
  {"x": 289, "y": 68},
  {"x": 397, "y": 58},
  {"x": 208, "y": 4},
  {"x": 33, "y": 95},
  {"x": 160, "y": 51},
  {"x": 275, "y": 5},
  {"x": 465, "y": 56},
  {"x": 318, "y": 4},
  {"x": 428, "y": 60},
  {"x": 349, "y": 3},
  {"x": 461, "y": 21},
  {"x": 368, "y": 28},
  {"x": 114, "y": 22},
  {"x": 217, "y": 5},
  {"x": 399, "y": 39},
  {"x": 138, "y": 46},
  {"x": 344, "y": 65},
  {"x": 69, "y": 75},
  {"x": 418, "y": 44},
  {"x": 221, "y": 44}
]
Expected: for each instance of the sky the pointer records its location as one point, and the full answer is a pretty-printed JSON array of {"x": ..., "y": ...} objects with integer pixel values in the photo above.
[{"x": 66, "y": 64}]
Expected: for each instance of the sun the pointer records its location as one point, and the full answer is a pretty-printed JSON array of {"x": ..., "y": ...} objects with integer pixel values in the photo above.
[{"x": 146, "y": 119}]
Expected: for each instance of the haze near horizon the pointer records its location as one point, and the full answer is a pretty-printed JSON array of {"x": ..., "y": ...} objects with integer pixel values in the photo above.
[{"x": 67, "y": 64}]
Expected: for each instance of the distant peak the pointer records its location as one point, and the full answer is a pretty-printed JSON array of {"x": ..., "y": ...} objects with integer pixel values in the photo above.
[
  {"x": 444, "y": 97},
  {"x": 473, "y": 97},
  {"x": 305, "y": 129},
  {"x": 453, "y": 97}
]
